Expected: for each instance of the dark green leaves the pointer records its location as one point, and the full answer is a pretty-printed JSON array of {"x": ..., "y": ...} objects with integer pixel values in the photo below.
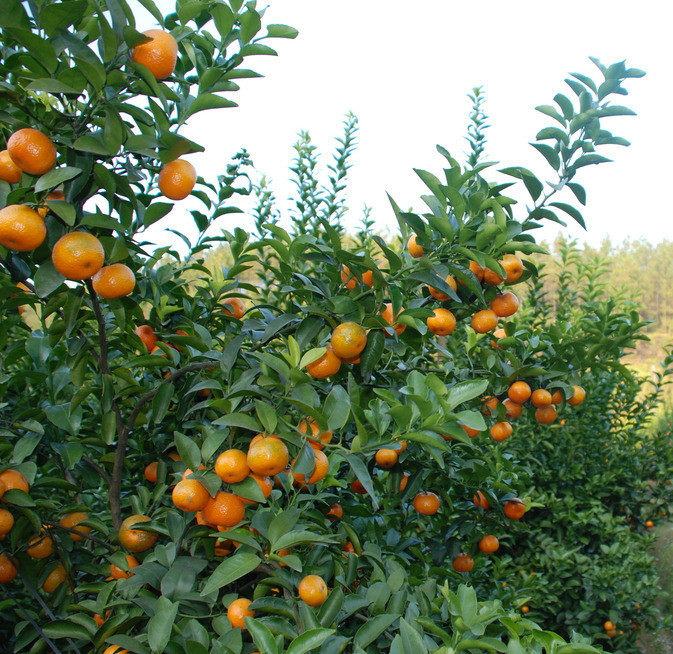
[{"x": 230, "y": 570}]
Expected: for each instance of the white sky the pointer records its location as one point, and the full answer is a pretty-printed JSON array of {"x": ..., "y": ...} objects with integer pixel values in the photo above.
[{"x": 405, "y": 68}]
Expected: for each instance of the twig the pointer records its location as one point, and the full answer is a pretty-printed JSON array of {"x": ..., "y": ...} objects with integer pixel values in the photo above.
[
  {"x": 36, "y": 626},
  {"x": 101, "y": 471}
]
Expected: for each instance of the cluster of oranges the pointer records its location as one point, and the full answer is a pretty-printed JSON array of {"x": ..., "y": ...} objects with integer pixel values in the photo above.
[
  {"x": 39, "y": 546},
  {"x": 347, "y": 342}
]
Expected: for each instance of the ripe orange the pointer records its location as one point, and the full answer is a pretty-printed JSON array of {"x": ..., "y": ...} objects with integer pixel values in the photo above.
[
  {"x": 404, "y": 481},
  {"x": 578, "y": 396},
  {"x": 540, "y": 398},
  {"x": 476, "y": 270},
  {"x": 513, "y": 409},
  {"x": 190, "y": 495},
  {"x": 348, "y": 340},
  {"x": 545, "y": 415},
  {"x": 160, "y": 54},
  {"x": 472, "y": 433},
  {"x": 649, "y": 523},
  {"x": 335, "y": 512},
  {"x": 442, "y": 323},
  {"x": 326, "y": 366},
  {"x": 500, "y": 431},
  {"x": 118, "y": 573},
  {"x": 489, "y": 406},
  {"x": 237, "y": 612},
  {"x": 146, "y": 334},
  {"x": 236, "y": 307},
  {"x": 387, "y": 315},
  {"x": 9, "y": 171},
  {"x": 386, "y": 457},
  {"x": 115, "y": 280},
  {"x": 54, "y": 579},
  {"x": 479, "y": 499},
  {"x": 151, "y": 471},
  {"x": 519, "y": 392},
  {"x": 232, "y": 466},
  {"x": 350, "y": 280},
  {"x": 357, "y": 487},
  {"x": 115, "y": 649},
  {"x": 316, "y": 438},
  {"x": 6, "y": 522},
  {"x": 313, "y": 590},
  {"x": 426, "y": 503},
  {"x": 21, "y": 228},
  {"x": 3, "y": 488},
  {"x": 441, "y": 296},
  {"x": 78, "y": 255},
  {"x": 525, "y": 609},
  {"x": 608, "y": 625},
  {"x": 14, "y": 479},
  {"x": 43, "y": 209},
  {"x": 177, "y": 179},
  {"x": 265, "y": 484},
  {"x": 136, "y": 540},
  {"x": 72, "y": 520},
  {"x": 32, "y": 151},
  {"x": 40, "y": 547},
  {"x": 414, "y": 249},
  {"x": 484, "y": 321},
  {"x": 267, "y": 455},
  {"x": 489, "y": 544},
  {"x": 224, "y": 510},
  {"x": 557, "y": 397},
  {"x": 320, "y": 469},
  {"x": 505, "y": 304},
  {"x": 492, "y": 278},
  {"x": 8, "y": 570},
  {"x": 514, "y": 509},
  {"x": 463, "y": 563},
  {"x": 512, "y": 266}
]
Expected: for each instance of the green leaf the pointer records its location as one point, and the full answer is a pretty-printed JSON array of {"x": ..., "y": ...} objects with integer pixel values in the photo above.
[
  {"x": 571, "y": 211},
  {"x": 548, "y": 110},
  {"x": 224, "y": 19},
  {"x": 565, "y": 104},
  {"x": 208, "y": 101},
  {"x": 361, "y": 472},
  {"x": 465, "y": 391},
  {"x": 311, "y": 639},
  {"x": 578, "y": 191},
  {"x": 189, "y": 451},
  {"x": 251, "y": 23},
  {"x": 162, "y": 401},
  {"x": 549, "y": 154},
  {"x": 337, "y": 407},
  {"x": 293, "y": 538},
  {"x": 532, "y": 183},
  {"x": 239, "y": 420},
  {"x": 231, "y": 569},
  {"x": 48, "y": 85},
  {"x": 372, "y": 629},
  {"x": 160, "y": 624},
  {"x": 65, "y": 629},
  {"x": 24, "y": 447},
  {"x": 590, "y": 159},
  {"x": 156, "y": 211},
  {"x": 281, "y": 31},
  {"x": 262, "y": 636},
  {"x": 372, "y": 353},
  {"x": 552, "y": 133}
]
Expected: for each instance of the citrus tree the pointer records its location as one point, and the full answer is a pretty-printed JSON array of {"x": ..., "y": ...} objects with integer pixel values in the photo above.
[{"x": 300, "y": 461}]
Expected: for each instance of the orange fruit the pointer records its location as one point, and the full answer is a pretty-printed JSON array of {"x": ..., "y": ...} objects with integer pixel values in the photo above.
[
  {"x": 312, "y": 589},
  {"x": 498, "y": 333},
  {"x": 470, "y": 431},
  {"x": 136, "y": 540},
  {"x": 40, "y": 547},
  {"x": 506, "y": 304},
  {"x": 118, "y": 573},
  {"x": 115, "y": 649},
  {"x": 78, "y": 255},
  {"x": 146, "y": 334},
  {"x": 265, "y": 484},
  {"x": 3, "y": 488},
  {"x": 350, "y": 280},
  {"x": 479, "y": 499},
  {"x": 232, "y": 466},
  {"x": 440, "y": 295},
  {"x": 477, "y": 271},
  {"x": 9, "y": 171},
  {"x": 32, "y": 151},
  {"x": 540, "y": 398},
  {"x": 608, "y": 625},
  {"x": 489, "y": 544},
  {"x": 513, "y": 409},
  {"x": 160, "y": 54},
  {"x": 426, "y": 503},
  {"x": 151, "y": 471},
  {"x": 72, "y": 520},
  {"x": 578, "y": 396},
  {"x": 492, "y": 278},
  {"x": 484, "y": 321},
  {"x": 6, "y": 522},
  {"x": 442, "y": 323},
  {"x": 14, "y": 479},
  {"x": 514, "y": 509},
  {"x": 268, "y": 456},
  {"x": 525, "y": 609},
  {"x": 348, "y": 340},
  {"x": 8, "y": 570},
  {"x": 649, "y": 523},
  {"x": 519, "y": 392},
  {"x": 463, "y": 563},
  {"x": 54, "y": 579},
  {"x": 489, "y": 406},
  {"x": 21, "y": 228},
  {"x": 177, "y": 179},
  {"x": 326, "y": 366},
  {"x": 235, "y": 308},
  {"x": 413, "y": 248},
  {"x": 190, "y": 495},
  {"x": 357, "y": 487},
  {"x": 500, "y": 431},
  {"x": 224, "y": 510},
  {"x": 386, "y": 457},
  {"x": 237, "y": 612},
  {"x": 115, "y": 280},
  {"x": 512, "y": 266},
  {"x": 320, "y": 469},
  {"x": 43, "y": 209},
  {"x": 404, "y": 481},
  {"x": 557, "y": 397},
  {"x": 316, "y": 438},
  {"x": 335, "y": 512},
  {"x": 387, "y": 315},
  {"x": 189, "y": 472}
]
